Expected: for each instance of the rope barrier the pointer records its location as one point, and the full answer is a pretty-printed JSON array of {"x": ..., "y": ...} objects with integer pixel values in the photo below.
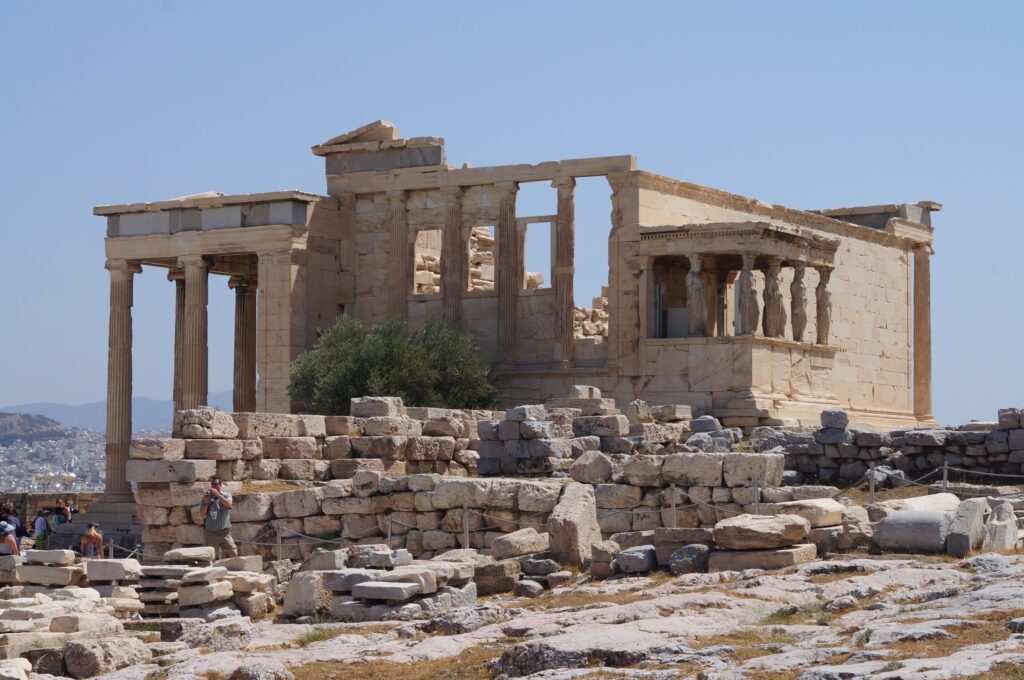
[{"x": 979, "y": 473}]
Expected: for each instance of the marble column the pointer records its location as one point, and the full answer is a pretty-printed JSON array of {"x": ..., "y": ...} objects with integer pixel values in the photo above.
[
  {"x": 178, "y": 277},
  {"x": 119, "y": 378},
  {"x": 195, "y": 356},
  {"x": 562, "y": 270},
  {"x": 696, "y": 299},
  {"x": 401, "y": 258},
  {"x": 774, "y": 306},
  {"x": 454, "y": 257},
  {"x": 923, "y": 333},
  {"x": 823, "y": 306},
  {"x": 798, "y": 301},
  {"x": 244, "y": 387},
  {"x": 506, "y": 271},
  {"x": 748, "y": 311}
]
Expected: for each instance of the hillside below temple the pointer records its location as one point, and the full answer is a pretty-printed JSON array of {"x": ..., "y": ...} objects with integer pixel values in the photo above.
[{"x": 755, "y": 313}]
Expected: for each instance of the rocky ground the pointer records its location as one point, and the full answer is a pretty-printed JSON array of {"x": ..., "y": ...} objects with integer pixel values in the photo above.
[{"x": 850, "y": 617}]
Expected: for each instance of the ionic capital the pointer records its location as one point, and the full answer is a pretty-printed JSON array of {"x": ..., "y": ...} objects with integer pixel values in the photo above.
[
  {"x": 396, "y": 198},
  {"x": 175, "y": 274},
  {"x": 193, "y": 262},
  {"x": 507, "y": 187},
  {"x": 123, "y": 269},
  {"x": 241, "y": 282},
  {"x": 563, "y": 182}
]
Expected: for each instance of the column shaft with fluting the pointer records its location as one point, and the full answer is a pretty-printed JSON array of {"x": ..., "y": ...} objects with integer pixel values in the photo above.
[
  {"x": 195, "y": 353},
  {"x": 507, "y": 271},
  {"x": 178, "y": 277},
  {"x": 923, "y": 333},
  {"x": 562, "y": 278},
  {"x": 244, "y": 387},
  {"x": 401, "y": 258},
  {"x": 454, "y": 258},
  {"x": 119, "y": 377}
]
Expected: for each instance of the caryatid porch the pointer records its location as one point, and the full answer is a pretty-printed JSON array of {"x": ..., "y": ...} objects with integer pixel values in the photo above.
[{"x": 259, "y": 243}]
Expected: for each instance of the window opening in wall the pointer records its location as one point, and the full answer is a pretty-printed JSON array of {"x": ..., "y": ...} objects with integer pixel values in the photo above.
[
  {"x": 537, "y": 248},
  {"x": 481, "y": 258},
  {"x": 592, "y": 211},
  {"x": 427, "y": 262},
  {"x": 669, "y": 306}
]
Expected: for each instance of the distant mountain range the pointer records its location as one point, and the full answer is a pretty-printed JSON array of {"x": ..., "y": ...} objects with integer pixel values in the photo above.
[
  {"x": 147, "y": 414},
  {"x": 28, "y": 427}
]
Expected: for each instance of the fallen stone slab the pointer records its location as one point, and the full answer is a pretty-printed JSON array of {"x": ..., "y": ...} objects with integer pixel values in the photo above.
[
  {"x": 113, "y": 570},
  {"x": 204, "y": 423},
  {"x": 528, "y": 588},
  {"x": 57, "y": 558},
  {"x": 169, "y": 629},
  {"x": 967, "y": 529},
  {"x": 820, "y": 512},
  {"x": 204, "y": 575},
  {"x": 199, "y": 554},
  {"x": 1001, "y": 533},
  {"x": 48, "y": 576},
  {"x": 220, "y": 636},
  {"x": 747, "y": 532},
  {"x": 517, "y": 543},
  {"x": 86, "y": 658},
  {"x": 573, "y": 526},
  {"x": 738, "y": 560},
  {"x": 497, "y": 577},
  {"x": 914, "y": 531},
  {"x": 82, "y": 623},
  {"x": 190, "y": 596},
  {"x": 690, "y": 559},
  {"x": 636, "y": 560},
  {"x": 382, "y": 590}
]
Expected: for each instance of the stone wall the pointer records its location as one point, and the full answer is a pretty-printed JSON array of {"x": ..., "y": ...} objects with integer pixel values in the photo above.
[
  {"x": 838, "y": 453},
  {"x": 307, "y": 482}
]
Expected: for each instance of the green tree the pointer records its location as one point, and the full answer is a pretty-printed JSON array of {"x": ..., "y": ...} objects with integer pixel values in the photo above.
[{"x": 435, "y": 365}]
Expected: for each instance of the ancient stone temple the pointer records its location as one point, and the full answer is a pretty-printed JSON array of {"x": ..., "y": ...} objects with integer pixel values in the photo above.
[{"x": 756, "y": 313}]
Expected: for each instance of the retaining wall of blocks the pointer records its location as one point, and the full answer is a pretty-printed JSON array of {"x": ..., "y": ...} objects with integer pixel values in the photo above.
[
  {"x": 978, "y": 451},
  {"x": 375, "y": 500}
]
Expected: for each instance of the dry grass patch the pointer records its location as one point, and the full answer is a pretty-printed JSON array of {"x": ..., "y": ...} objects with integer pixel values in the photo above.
[
  {"x": 750, "y": 643},
  {"x": 862, "y": 494},
  {"x": 1001, "y": 671},
  {"x": 809, "y": 615},
  {"x": 318, "y": 634},
  {"x": 582, "y": 597},
  {"x": 472, "y": 664},
  {"x": 984, "y": 629}
]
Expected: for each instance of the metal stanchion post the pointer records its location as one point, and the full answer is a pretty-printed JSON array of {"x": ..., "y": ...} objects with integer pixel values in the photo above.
[
  {"x": 110, "y": 549},
  {"x": 389, "y": 531},
  {"x": 465, "y": 526},
  {"x": 757, "y": 495},
  {"x": 871, "y": 483},
  {"x": 945, "y": 476},
  {"x": 280, "y": 549},
  {"x": 672, "y": 490}
]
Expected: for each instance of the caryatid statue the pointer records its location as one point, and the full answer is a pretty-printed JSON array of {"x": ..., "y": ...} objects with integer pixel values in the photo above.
[
  {"x": 748, "y": 312},
  {"x": 774, "y": 306},
  {"x": 798, "y": 293},
  {"x": 824, "y": 304},
  {"x": 696, "y": 300}
]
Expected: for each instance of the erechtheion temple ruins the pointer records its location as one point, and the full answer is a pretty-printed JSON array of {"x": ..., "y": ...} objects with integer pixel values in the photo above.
[{"x": 754, "y": 313}]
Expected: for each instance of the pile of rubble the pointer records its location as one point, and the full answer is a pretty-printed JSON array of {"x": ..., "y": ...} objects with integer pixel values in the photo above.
[
  {"x": 592, "y": 322},
  {"x": 374, "y": 583}
]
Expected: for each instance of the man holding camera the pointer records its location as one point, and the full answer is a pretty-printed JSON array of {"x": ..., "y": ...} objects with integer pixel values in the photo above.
[{"x": 216, "y": 514}]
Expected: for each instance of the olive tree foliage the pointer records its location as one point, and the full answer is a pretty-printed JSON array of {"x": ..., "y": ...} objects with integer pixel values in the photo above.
[{"x": 435, "y": 365}]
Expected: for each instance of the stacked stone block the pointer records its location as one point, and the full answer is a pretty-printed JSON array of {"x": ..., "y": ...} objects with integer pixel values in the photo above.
[{"x": 836, "y": 452}]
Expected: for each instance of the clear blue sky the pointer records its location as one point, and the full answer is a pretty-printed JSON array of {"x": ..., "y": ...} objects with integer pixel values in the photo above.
[{"x": 807, "y": 104}]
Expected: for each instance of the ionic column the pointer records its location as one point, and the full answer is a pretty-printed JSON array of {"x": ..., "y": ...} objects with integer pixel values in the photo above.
[
  {"x": 400, "y": 256},
  {"x": 774, "y": 306},
  {"x": 562, "y": 270},
  {"x": 923, "y": 333},
  {"x": 244, "y": 388},
  {"x": 748, "y": 311},
  {"x": 823, "y": 306},
  {"x": 195, "y": 355},
  {"x": 454, "y": 257},
  {"x": 507, "y": 267},
  {"x": 696, "y": 299},
  {"x": 119, "y": 378},
  {"x": 798, "y": 301},
  {"x": 178, "y": 277}
]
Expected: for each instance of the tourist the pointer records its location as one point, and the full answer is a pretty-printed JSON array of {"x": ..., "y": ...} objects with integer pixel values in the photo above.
[
  {"x": 11, "y": 517},
  {"x": 92, "y": 541},
  {"x": 41, "y": 528},
  {"x": 58, "y": 515},
  {"x": 9, "y": 546},
  {"x": 66, "y": 508},
  {"x": 215, "y": 510}
]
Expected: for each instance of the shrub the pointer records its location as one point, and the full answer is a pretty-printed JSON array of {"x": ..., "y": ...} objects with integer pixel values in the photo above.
[{"x": 435, "y": 365}]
